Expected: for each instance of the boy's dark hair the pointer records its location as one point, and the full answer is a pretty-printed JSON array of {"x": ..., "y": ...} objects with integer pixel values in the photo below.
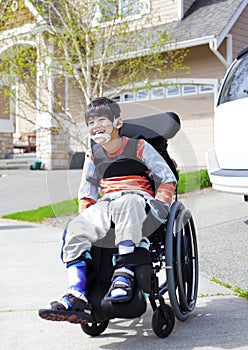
[{"x": 102, "y": 106}]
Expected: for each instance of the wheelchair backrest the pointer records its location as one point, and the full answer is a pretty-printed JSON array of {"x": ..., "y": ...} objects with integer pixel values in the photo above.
[{"x": 155, "y": 129}]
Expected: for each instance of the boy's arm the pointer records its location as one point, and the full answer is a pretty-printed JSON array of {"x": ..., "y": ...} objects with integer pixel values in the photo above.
[
  {"x": 88, "y": 189},
  {"x": 159, "y": 170}
]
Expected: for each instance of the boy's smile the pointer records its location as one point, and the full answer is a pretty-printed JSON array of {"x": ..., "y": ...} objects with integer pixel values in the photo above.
[
  {"x": 102, "y": 129},
  {"x": 99, "y": 125}
]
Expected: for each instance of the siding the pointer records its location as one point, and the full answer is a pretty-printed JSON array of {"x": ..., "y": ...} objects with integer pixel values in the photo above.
[
  {"x": 161, "y": 12},
  {"x": 18, "y": 18},
  {"x": 239, "y": 33},
  {"x": 204, "y": 64},
  {"x": 166, "y": 9}
]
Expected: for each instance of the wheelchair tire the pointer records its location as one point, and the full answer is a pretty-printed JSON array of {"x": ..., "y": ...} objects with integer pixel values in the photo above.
[
  {"x": 181, "y": 261},
  {"x": 94, "y": 329},
  {"x": 162, "y": 324},
  {"x": 187, "y": 261}
]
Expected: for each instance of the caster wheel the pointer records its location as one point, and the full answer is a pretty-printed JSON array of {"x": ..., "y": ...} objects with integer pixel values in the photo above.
[
  {"x": 163, "y": 325},
  {"x": 94, "y": 329}
]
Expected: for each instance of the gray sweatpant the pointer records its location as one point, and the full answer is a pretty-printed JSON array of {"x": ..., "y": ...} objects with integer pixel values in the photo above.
[{"x": 93, "y": 224}]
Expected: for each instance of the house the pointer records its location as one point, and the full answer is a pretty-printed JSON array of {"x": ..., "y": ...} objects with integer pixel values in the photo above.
[{"x": 213, "y": 32}]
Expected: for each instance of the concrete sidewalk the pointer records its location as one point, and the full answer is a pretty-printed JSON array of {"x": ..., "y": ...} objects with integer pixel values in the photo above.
[{"x": 31, "y": 275}]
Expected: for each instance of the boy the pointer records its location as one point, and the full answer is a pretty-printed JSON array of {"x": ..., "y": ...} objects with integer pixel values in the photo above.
[{"x": 124, "y": 170}]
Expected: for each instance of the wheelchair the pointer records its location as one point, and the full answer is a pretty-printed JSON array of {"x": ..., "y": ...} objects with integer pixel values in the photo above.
[{"x": 169, "y": 266}]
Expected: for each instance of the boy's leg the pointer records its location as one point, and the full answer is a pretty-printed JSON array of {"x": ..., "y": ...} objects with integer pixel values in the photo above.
[
  {"x": 128, "y": 214},
  {"x": 87, "y": 227}
]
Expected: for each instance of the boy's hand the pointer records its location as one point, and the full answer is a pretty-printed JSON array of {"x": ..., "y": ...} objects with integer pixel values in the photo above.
[
  {"x": 84, "y": 203},
  {"x": 162, "y": 209}
]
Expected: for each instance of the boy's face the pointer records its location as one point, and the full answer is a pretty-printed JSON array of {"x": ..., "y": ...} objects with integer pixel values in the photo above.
[{"x": 101, "y": 129}]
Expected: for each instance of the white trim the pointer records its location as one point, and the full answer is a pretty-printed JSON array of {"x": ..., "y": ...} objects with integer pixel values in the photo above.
[
  {"x": 167, "y": 82},
  {"x": 180, "y": 9},
  {"x": 213, "y": 45},
  {"x": 14, "y": 6},
  {"x": 178, "y": 45},
  {"x": 18, "y": 42},
  {"x": 26, "y": 29}
]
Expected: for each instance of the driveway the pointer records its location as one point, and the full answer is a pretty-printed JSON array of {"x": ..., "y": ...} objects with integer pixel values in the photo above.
[{"x": 31, "y": 274}]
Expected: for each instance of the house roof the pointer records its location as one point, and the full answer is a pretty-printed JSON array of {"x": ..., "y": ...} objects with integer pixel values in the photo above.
[
  {"x": 205, "y": 21},
  {"x": 207, "y": 18}
]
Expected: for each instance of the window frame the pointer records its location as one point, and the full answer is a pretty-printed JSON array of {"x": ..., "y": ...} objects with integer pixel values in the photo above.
[
  {"x": 172, "y": 87},
  {"x": 144, "y": 8},
  {"x": 208, "y": 91},
  {"x": 156, "y": 97},
  {"x": 189, "y": 93}
]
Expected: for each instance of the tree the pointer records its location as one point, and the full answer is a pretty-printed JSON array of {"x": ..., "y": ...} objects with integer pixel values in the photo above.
[{"x": 98, "y": 47}]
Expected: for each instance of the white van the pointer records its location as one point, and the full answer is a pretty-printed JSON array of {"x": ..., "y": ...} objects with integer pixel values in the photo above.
[{"x": 227, "y": 162}]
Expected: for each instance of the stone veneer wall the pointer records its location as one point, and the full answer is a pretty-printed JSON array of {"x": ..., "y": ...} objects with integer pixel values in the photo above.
[
  {"x": 6, "y": 145},
  {"x": 52, "y": 148}
]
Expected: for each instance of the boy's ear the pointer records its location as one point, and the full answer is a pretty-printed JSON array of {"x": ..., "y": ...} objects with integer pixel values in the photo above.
[{"x": 119, "y": 123}]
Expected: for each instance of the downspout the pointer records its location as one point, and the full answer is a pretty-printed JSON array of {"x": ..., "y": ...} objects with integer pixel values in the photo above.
[{"x": 213, "y": 45}]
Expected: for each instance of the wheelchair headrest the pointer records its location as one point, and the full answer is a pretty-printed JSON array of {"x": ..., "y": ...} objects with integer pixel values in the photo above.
[{"x": 164, "y": 124}]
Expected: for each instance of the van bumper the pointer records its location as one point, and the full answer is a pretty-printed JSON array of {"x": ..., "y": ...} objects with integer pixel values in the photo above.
[{"x": 226, "y": 180}]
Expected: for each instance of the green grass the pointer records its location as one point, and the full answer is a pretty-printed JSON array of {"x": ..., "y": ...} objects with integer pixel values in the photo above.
[
  {"x": 50, "y": 211},
  {"x": 193, "y": 181},
  {"x": 238, "y": 291},
  {"x": 188, "y": 182}
]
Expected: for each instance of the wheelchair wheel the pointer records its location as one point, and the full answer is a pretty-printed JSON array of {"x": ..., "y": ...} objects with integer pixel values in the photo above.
[
  {"x": 181, "y": 261},
  {"x": 163, "y": 324},
  {"x": 94, "y": 329}
]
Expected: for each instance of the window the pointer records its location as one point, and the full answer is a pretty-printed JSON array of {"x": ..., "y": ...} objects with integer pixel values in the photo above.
[
  {"x": 158, "y": 92},
  {"x": 142, "y": 95},
  {"x": 236, "y": 85},
  {"x": 172, "y": 91},
  {"x": 108, "y": 9},
  {"x": 189, "y": 90},
  {"x": 203, "y": 89},
  {"x": 128, "y": 96},
  {"x": 129, "y": 7},
  {"x": 117, "y": 99}
]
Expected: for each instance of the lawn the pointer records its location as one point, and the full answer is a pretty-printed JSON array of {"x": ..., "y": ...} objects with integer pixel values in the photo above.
[{"x": 188, "y": 182}]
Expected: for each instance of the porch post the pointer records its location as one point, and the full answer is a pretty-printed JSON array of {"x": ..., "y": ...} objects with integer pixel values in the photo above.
[{"x": 52, "y": 144}]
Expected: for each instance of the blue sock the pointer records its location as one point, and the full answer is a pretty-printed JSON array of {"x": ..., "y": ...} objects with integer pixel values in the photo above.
[
  {"x": 126, "y": 247},
  {"x": 77, "y": 279}
]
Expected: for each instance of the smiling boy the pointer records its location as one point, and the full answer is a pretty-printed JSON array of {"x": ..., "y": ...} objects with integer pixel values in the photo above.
[{"x": 125, "y": 170}]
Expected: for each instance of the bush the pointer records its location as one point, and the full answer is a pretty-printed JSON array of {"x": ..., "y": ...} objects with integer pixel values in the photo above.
[
  {"x": 205, "y": 181},
  {"x": 193, "y": 181}
]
